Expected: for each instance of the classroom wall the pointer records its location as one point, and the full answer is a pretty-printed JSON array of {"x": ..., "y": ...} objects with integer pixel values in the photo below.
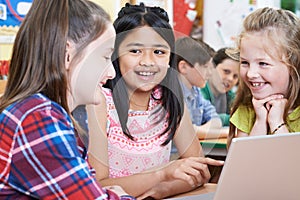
[
  {"x": 228, "y": 12},
  {"x": 5, "y": 51},
  {"x": 7, "y": 33},
  {"x": 110, "y": 6},
  {"x": 6, "y": 41},
  {"x": 223, "y": 19}
]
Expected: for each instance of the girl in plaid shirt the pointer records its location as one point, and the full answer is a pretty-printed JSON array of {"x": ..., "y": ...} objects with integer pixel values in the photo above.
[{"x": 53, "y": 70}]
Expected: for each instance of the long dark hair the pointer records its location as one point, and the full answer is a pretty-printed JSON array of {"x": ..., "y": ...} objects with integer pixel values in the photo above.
[
  {"x": 129, "y": 18},
  {"x": 38, "y": 58}
]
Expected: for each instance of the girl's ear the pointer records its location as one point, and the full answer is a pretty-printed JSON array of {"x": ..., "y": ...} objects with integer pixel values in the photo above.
[
  {"x": 68, "y": 55},
  {"x": 182, "y": 66}
]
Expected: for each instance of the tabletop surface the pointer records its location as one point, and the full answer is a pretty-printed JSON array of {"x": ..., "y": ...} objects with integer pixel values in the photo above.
[
  {"x": 215, "y": 148},
  {"x": 216, "y": 143},
  {"x": 206, "y": 188}
]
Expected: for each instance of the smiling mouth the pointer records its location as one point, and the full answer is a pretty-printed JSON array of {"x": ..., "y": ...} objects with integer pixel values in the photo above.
[
  {"x": 226, "y": 85},
  {"x": 102, "y": 83},
  {"x": 145, "y": 73},
  {"x": 255, "y": 84}
]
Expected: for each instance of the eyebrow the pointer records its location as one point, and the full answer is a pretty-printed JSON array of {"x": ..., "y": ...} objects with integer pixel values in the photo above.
[{"x": 142, "y": 45}]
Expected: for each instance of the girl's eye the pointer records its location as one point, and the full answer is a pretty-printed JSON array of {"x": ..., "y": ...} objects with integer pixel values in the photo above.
[
  {"x": 159, "y": 52},
  {"x": 135, "y": 51},
  {"x": 263, "y": 64},
  {"x": 107, "y": 58},
  {"x": 244, "y": 64},
  {"x": 226, "y": 71}
]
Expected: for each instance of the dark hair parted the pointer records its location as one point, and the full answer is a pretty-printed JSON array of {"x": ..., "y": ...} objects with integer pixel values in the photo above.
[
  {"x": 38, "y": 58},
  {"x": 136, "y": 16},
  {"x": 191, "y": 51},
  {"x": 223, "y": 54}
]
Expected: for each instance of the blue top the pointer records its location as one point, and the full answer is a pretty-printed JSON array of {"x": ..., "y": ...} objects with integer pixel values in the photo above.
[{"x": 201, "y": 110}]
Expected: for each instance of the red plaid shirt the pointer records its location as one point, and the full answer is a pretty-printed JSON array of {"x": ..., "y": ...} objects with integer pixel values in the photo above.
[{"x": 39, "y": 157}]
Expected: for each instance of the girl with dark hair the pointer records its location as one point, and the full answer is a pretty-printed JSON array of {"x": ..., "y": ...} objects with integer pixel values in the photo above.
[
  {"x": 54, "y": 52},
  {"x": 145, "y": 111}
]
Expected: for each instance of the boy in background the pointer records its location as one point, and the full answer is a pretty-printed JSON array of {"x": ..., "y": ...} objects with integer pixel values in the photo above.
[
  {"x": 194, "y": 65},
  {"x": 219, "y": 88}
]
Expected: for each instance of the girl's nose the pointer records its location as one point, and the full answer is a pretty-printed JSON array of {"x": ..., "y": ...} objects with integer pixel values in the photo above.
[
  {"x": 111, "y": 73},
  {"x": 147, "y": 59},
  {"x": 252, "y": 72},
  {"x": 230, "y": 78}
]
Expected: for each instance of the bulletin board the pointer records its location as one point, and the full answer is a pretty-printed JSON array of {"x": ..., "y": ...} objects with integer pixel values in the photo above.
[
  {"x": 12, "y": 12},
  {"x": 187, "y": 15}
]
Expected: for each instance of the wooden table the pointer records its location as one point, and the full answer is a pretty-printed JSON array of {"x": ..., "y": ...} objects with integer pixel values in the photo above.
[{"x": 207, "y": 188}]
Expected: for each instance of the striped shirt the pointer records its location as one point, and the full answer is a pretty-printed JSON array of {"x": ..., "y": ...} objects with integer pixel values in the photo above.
[{"x": 39, "y": 157}]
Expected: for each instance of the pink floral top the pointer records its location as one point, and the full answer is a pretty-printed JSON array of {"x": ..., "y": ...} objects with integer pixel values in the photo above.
[{"x": 127, "y": 157}]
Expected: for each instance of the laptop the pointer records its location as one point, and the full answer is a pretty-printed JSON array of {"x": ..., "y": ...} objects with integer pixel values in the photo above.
[{"x": 260, "y": 167}]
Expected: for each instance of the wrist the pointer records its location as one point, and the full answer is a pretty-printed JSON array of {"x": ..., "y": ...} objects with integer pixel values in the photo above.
[
  {"x": 279, "y": 126},
  {"x": 161, "y": 175}
]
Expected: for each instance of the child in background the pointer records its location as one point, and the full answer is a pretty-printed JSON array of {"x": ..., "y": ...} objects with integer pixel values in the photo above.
[
  {"x": 194, "y": 65},
  {"x": 40, "y": 158},
  {"x": 268, "y": 98},
  {"x": 146, "y": 112},
  {"x": 218, "y": 89}
]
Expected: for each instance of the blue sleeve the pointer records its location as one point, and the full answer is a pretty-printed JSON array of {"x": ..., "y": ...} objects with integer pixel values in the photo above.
[{"x": 209, "y": 111}]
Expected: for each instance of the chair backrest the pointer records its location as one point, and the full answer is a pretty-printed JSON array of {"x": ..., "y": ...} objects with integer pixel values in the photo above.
[{"x": 2, "y": 86}]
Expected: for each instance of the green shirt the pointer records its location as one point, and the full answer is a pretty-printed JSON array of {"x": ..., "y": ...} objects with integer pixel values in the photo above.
[
  {"x": 244, "y": 117},
  {"x": 230, "y": 95}
]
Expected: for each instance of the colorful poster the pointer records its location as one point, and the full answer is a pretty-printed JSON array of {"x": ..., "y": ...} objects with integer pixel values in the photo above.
[{"x": 12, "y": 12}]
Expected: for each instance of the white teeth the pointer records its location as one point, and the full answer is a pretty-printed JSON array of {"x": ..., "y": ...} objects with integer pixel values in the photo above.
[
  {"x": 257, "y": 84},
  {"x": 146, "y": 73}
]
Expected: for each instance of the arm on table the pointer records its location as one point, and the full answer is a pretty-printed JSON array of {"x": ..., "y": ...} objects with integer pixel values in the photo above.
[{"x": 211, "y": 130}]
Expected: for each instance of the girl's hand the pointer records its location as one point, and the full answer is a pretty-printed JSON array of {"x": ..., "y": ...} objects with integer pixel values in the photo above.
[
  {"x": 116, "y": 189},
  {"x": 262, "y": 106},
  {"x": 193, "y": 170},
  {"x": 159, "y": 191},
  {"x": 260, "y": 109},
  {"x": 276, "y": 110}
]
